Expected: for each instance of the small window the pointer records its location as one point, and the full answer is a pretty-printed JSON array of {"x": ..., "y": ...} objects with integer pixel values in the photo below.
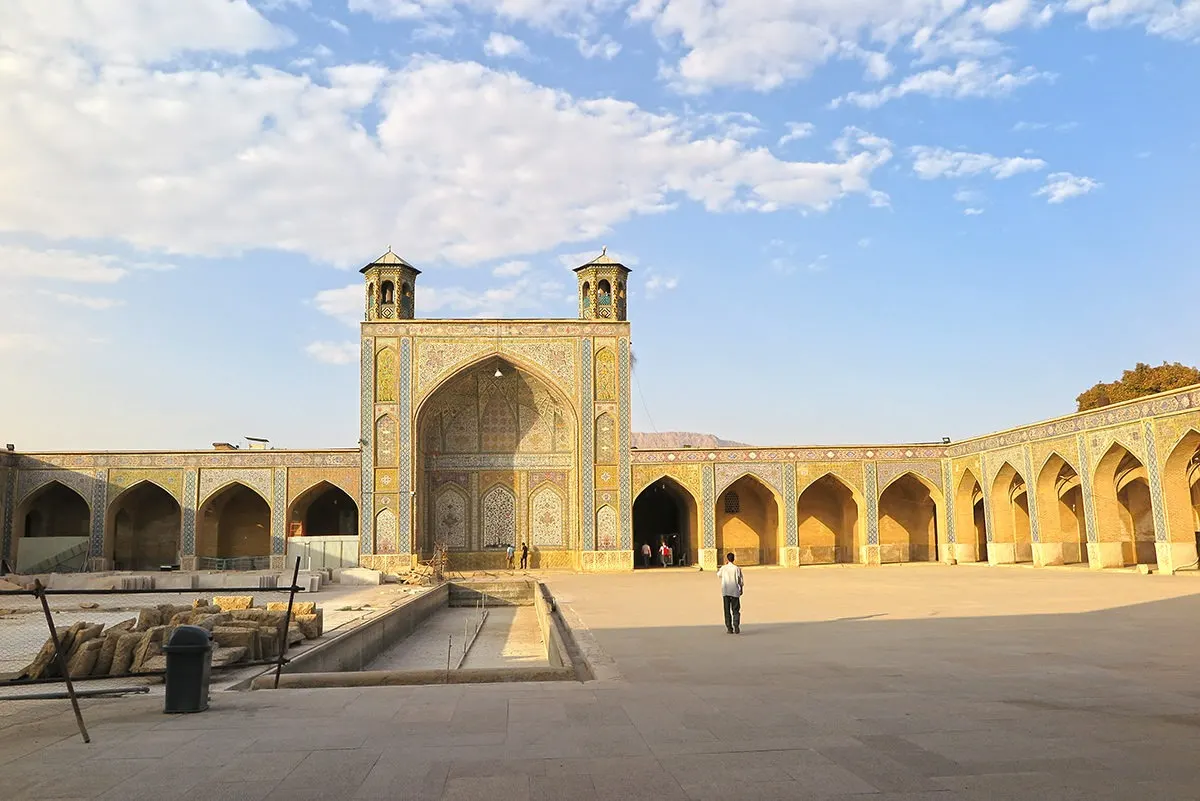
[
  {"x": 387, "y": 292},
  {"x": 587, "y": 295},
  {"x": 604, "y": 293},
  {"x": 733, "y": 504}
]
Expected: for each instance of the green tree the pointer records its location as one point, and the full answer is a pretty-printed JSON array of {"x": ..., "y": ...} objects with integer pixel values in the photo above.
[{"x": 1139, "y": 382}]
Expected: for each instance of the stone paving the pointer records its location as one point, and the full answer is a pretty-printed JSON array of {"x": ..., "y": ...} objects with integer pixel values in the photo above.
[{"x": 900, "y": 683}]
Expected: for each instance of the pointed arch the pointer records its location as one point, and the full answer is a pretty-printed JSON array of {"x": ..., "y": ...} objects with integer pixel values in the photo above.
[
  {"x": 451, "y": 516},
  {"x": 1062, "y": 530},
  {"x": 547, "y": 516},
  {"x": 1011, "y": 532},
  {"x": 752, "y": 527},
  {"x": 51, "y": 510},
  {"x": 909, "y": 509},
  {"x": 606, "y": 375},
  {"x": 970, "y": 521},
  {"x": 561, "y": 391},
  {"x": 323, "y": 509},
  {"x": 387, "y": 532},
  {"x": 1124, "y": 514},
  {"x": 829, "y": 511},
  {"x": 385, "y": 375},
  {"x": 1181, "y": 488},
  {"x": 498, "y": 515},
  {"x": 233, "y": 528},
  {"x": 606, "y": 528},
  {"x": 143, "y": 527},
  {"x": 664, "y": 510}
]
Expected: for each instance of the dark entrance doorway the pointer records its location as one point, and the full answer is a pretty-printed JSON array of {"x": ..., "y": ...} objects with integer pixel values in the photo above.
[{"x": 662, "y": 513}]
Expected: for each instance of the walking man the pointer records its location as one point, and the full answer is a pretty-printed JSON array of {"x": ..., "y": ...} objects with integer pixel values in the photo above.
[
  {"x": 524, "y": 555},
  {"x": 646, "y": 554},
  {"x": 731, "y": 592},
  {"x": 512, "y": 554}
]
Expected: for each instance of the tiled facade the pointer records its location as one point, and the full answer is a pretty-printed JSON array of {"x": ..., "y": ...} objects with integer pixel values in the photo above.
[{"x": 538, "y": 451}]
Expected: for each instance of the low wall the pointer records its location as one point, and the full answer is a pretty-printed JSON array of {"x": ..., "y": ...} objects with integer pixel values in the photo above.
[
  {"x": 32, "y": 550},
  {"x": 499, "y": 593},
  {"x": 556, "y": 651},
  {"x": 356, "y": 648}
]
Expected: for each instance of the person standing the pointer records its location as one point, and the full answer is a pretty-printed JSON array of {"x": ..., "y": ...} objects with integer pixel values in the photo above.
[
  {"x": 731, "y": 594},
  {"x": 512, "y": 555},
  {"x": 646, "y": 554},
  {"x": 524, "y": 555}
]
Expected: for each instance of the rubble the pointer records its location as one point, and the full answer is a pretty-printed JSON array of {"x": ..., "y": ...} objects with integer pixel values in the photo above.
[{"x": 241, "y": 632}]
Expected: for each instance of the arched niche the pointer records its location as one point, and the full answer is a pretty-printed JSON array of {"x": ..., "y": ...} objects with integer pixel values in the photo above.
[
  {"x": 749, "y": 522},
  {"x": 970, "y": 520},
  {"x": 323, "y": 510},
  {"x": 51, "y": 519},
  {"x": 665, "y": 511},
  {"x": 908, "y": 520},
  {"x": 233, "y": 529},
  {"x": 1062, "y": 522},
  {"x": 828, "y": 522},
  {"x": 1124, "y": 513},
  {"x": 142, "y": 528}
]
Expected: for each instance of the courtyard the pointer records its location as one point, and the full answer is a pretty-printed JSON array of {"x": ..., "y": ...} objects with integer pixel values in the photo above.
[{"x": 896, "y": 683}]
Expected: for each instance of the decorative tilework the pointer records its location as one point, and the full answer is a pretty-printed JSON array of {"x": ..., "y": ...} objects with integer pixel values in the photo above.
[
  {"x": 624, "y": 414},
  {"x": 385, "y": 376},
  {"x": 1128, "y": 437},
  {"x": 771, "y": 474},
  {"x": 385, "y": 441},
  {"x": 1031, "y": 497},
  {"x": 386, "y": 539},
  {"x": 499, "y": 517},
  {"x": 555, "y": 357},
  {"x": 606, "y": 528},
  {"x": 84, "y": 462},
  {"x": 606, "y": 439},
  {"x": 1171, "y": 430},
  {"x": 190, "y": 488},
  {"x": 279, "y": 513},
  {"x": 790, "y": 502},
  {"x": 1085, "y": 483},
  {"x": 688, "y": 476},
  {"x": 890, "y": 471},
  {"x": 948, "y": 494},
  {"x": 366, "y": 522},
  {"x": 302, "y": 479},
  {"x": 850, "y": 473},
  {"x": 99, "y": 504},
  {"x": 211, "y": 481},
  {"x": 986, "y": 488},
  {"x": 499, "y": 461},
  {"x": 404, "y": 513},
  {"x": 872, "y": 493},
  {"x": 606, "y": 375},
  {"x": 1156, "y": 490},
  {"x": 546, "y": 518},
  {"x": 122, "y": 479},
  {"x": 450, "y": 517},
  {"x": 10, "y": 502},
  {"x": 30, "y": 481},
  {"x": 708, "y": 502},
  {"x": 587, "y": 474}
]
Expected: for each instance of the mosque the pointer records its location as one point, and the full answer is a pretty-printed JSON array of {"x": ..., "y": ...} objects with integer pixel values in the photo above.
[{"x": 480, "y": 433}]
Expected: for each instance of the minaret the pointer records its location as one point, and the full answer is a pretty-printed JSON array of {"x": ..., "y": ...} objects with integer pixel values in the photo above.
[
  {"x": 391, "y": 282},
  {"x": 602, "y": 288}
]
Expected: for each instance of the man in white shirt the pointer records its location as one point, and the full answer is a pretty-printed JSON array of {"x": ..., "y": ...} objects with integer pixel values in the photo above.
[{"x": 731, "y": 592}]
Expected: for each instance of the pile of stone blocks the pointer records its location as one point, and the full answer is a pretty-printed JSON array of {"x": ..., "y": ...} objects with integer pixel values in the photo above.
[{"x": 241, "y": 632}]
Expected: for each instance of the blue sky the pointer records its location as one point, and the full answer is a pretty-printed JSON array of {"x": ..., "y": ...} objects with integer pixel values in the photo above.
[{"x": 862, "y": 221}]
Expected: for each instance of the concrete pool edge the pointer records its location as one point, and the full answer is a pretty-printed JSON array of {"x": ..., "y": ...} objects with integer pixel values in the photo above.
[{"x": 340, "y": 662}]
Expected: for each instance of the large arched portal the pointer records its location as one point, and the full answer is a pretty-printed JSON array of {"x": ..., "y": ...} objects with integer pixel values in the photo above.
[
  {"x": 1062, "y": 530},
  {"x": 970, "y": 520},
  {"x": 1124, "y": 518},
  {"x": 143, "y": 528},
  {"x": 323, "y": 510},
  {"x": 748, "y": 522},
  {"x": 52, "y": 519},
  {"x": 665, "y": 512},
  {"x": 908, "y": 521},
  {"x": 497, "y": 465},
  {"x": 827, "y": 517},
  {"x": 233, "y": 530}
]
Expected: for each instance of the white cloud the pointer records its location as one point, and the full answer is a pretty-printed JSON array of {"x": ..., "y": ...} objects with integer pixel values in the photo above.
[
  {"x": 62, "y": 265},
  {"x": 582, "y": 257},
  {"x": 605, "y": 47},
  {"x": 1167, "y": 18},
  {"x": 131, "y": 154},
  {"x": 967, "y": 79},
  {"x": 658, "y": 284},
  {"x": 968, "y": 196},
  {"x": 347, "y": 304},
  {"x": 334, "y": 352},
  {"x": 972, "y": 212},
  {"x": 86, "y": 301},
  {"x": 865, "y": 242},
  {"x": 938, "y": 162},
  {"x": 1041, "y": 126},
  {"x": 1062, "y": 186},
  {"x": 501, "y": 45},
  {"x": 797, "y": 130},
  {"x": 135, "y": 31},
  {"x": 511, "y": 269}
]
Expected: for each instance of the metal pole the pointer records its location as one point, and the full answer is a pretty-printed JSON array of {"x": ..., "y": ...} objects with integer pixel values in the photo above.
[
  {"x": 449, "y": 646},
  {"x": 40, "y": 592},
  {"x": 287, "y": 621}
]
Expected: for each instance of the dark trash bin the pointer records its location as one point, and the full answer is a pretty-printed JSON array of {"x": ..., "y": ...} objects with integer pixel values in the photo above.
[{"x": 189, "y": 662}]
